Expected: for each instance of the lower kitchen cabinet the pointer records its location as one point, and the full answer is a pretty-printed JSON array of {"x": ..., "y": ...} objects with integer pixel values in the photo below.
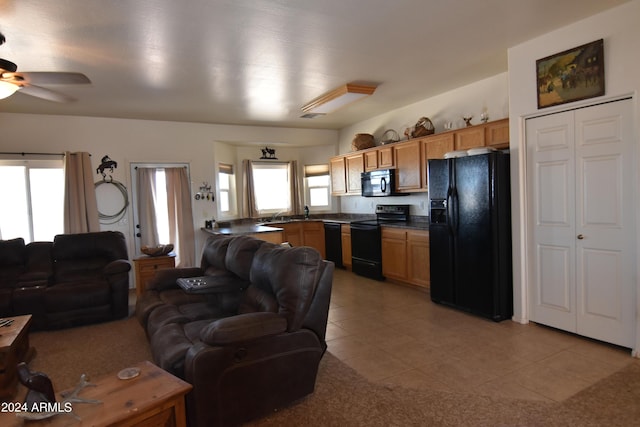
[
  {"x": 345, "y": 234},
  {"x": 304, "y": 233},
  {"x": 418, "y": 269},
  {"x": 394, "y": 253},
  {"x": 405, "y": 255}
]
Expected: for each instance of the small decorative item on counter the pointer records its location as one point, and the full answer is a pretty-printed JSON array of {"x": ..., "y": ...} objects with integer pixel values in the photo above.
[
  {"x": 362, "y": 141},
  {"x": 157, "y": 250},
  {"x": 389, "y": 137},
  {"x": 306, "y": 212},
  {"x": 467, "y": 120},
  {"x": 208, "y": 223},
  {"x": 424, "y": 127},
  {"x": 484, "y": 117}
]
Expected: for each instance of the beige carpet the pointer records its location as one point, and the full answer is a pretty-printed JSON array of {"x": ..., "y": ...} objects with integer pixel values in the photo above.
[{"x": 343, "y": 397}]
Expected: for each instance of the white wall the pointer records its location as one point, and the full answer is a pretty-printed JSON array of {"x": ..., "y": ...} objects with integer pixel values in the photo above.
[
  {"x": 621, "y": 33},
  {"x": 127, "y": 141},
  {"x": 489, "y": 95}
]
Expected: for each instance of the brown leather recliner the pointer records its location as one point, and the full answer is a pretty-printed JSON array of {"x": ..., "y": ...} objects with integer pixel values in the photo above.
[{"x": 250, "y": 351}]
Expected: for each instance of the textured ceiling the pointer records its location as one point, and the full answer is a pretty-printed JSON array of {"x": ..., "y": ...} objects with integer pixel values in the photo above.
[{"x": 257, "y": 62}]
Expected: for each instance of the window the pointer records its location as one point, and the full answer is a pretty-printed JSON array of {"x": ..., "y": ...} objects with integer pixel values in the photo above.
[
  {"x": 272, "y": 187},
  {"x": 317, "y": 190},
  {"x": 226, "y": 203},
  {"x": 34, "y": 190}
]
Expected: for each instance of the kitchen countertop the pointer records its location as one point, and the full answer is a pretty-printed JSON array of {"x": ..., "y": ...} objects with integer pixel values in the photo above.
[
  {"x": 240, "y": 229},
  {"x": 273, "y": 226}
]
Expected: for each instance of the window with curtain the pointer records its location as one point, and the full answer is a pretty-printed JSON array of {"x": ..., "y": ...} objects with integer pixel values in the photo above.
[
  {"x": 317, "y": 187},
  {"x": 272, "y": 187},
  {"x": 34, "y": 189},
  {"x": 226, "y": 187}
]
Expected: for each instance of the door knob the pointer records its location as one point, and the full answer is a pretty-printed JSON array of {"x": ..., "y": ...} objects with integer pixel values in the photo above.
[{"x": 580, "y": 237}]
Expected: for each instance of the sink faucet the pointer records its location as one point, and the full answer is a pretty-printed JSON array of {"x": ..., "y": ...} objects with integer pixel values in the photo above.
[{"x": 273, "y": 218}]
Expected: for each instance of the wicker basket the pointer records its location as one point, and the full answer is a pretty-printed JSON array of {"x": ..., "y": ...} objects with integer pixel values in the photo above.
[
  {"x": 362, "y": 141},
  {"x": 424, "y": 127}
]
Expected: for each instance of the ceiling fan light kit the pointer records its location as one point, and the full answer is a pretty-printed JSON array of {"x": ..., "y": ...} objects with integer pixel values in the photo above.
[
  {"x": 11, "y": 81},
  {"x": 338, "y": 98}
]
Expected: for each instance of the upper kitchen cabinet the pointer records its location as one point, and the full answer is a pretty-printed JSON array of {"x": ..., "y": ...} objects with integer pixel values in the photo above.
[
  {"x": 408, "y": 163},
  {"x": 496, "y": 134},
  {"x": 469, "y": 137},
  {"x": 338, "y": 176},
  {"x": 378, "y": 158},
  {"x": 410, "y": 157},
  {"x": 355, "y": 166}
]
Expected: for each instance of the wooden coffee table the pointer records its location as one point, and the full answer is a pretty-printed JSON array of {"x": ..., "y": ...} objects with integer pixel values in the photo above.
[
  {"x": 14, "y": 348},
  {"x": 152, "y": 398}
]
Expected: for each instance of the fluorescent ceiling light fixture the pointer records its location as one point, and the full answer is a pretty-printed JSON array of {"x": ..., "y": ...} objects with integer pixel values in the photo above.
[
  {"x": 7, "y": 89},
  {"x": 338, "y": 98}
]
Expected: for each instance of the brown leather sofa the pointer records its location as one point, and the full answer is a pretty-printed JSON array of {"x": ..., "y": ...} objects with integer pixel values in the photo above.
[
  {"x": 252, "y": 342},
  {"x": 77, "y": 279}
]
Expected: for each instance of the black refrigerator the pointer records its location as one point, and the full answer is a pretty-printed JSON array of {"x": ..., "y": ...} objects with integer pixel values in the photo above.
[{"x": 470, "y": 234}]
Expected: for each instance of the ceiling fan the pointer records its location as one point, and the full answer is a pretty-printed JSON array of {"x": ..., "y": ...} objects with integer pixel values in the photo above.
[{"x": 29, "y": 82}]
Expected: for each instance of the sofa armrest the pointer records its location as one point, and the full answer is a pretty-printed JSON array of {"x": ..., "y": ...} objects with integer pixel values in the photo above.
[
  {"x": 117, "y": 266},
  {"x": 243, "y": 327},
  {"x": 167, "y": 278}
]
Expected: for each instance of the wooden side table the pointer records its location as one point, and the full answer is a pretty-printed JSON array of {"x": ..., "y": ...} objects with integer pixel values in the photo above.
[
  {"x": 146, "y": 267},
  {"x": 14, "y": 348},
  {"x": 153, "y": 398}
]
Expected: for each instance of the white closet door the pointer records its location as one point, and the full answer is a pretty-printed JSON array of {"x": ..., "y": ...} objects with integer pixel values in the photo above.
[
  {"x": 551, "y": 189},
  {"x": 582, "y": 228},
  {"x": 605, "y": 223}
]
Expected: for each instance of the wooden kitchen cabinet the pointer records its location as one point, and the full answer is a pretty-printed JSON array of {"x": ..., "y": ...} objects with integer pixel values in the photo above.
[
  {"x": 418, "y": 268},
  {"x": 378, "y": 158},
  {"x": 408, "y": 164},
  {"x": 410, "y": 157},
  {"x": 497, "y": 134},
  {"x": 470, "y": 137},
  {"x": 405, "y": 255},
  {"x": 436, "y": 147},
  {"x": 394, "y": 253},
  {"x": 145, "y": 268},
  {"x": 355, "y": 166},
  {"x": 338, "y": 173},
  {"x": 313, "y": 235},
  {"x": 370, "y": 160},
  {"x": 292, "y": 233},
  {"x": 345, "y": 236}
]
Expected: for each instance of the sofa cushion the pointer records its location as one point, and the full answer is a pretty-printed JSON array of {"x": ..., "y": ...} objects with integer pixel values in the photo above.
[
  {"x": 239, "y": 256},
  {"x": 71, "y": 296},
  {"x": 12, "y": 261},
  {"x": 214, "y": 252},
  {"x": 291, "y": 275}
]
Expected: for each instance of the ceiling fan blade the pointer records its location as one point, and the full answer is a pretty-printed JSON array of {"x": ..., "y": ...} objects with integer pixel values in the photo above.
[
  {"x": 54, "y": 78},
  {"x": 48, "y": 94}
]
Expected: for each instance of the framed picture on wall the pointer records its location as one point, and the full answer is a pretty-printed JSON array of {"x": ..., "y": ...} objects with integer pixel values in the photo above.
[{"x": 571, "y": 75}]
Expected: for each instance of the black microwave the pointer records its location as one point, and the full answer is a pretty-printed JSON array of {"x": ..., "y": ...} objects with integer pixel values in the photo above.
[{"x": 379, "y": 183}]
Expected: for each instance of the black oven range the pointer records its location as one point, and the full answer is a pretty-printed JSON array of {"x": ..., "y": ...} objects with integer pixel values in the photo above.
[{"x": 366, "y": 244}]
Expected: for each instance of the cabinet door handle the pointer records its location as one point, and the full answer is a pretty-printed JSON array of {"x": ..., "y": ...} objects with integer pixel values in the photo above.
[{"x": 580, "y": 237}]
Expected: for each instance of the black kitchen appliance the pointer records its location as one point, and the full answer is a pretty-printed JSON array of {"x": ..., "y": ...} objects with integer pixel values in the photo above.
[
  {"x": 470, "y": 234},
  {"x": 366, "y": 246},
  {"x": 379, "y": 183},
  {"x": 333, "y": 242}
]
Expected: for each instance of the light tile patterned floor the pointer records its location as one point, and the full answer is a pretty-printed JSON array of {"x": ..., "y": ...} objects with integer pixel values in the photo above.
[{"x": 394, "y": 334}]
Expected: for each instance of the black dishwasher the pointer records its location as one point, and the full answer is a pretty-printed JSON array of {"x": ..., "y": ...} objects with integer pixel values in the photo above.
[{"x": 333, "y": 243}]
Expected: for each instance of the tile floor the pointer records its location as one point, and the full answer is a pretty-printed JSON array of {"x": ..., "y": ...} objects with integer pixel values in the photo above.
[{"x": 394, "y": 334}]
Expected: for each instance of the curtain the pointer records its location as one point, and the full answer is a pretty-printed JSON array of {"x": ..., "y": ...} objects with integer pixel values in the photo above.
[
  {"x": 296, "y": 191},
  {"x": 180, "y": 216},
  {"x": 80, "y": 204},
  {"x": 249, "y": 201},
  {"x": 146, "y": 193}
]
